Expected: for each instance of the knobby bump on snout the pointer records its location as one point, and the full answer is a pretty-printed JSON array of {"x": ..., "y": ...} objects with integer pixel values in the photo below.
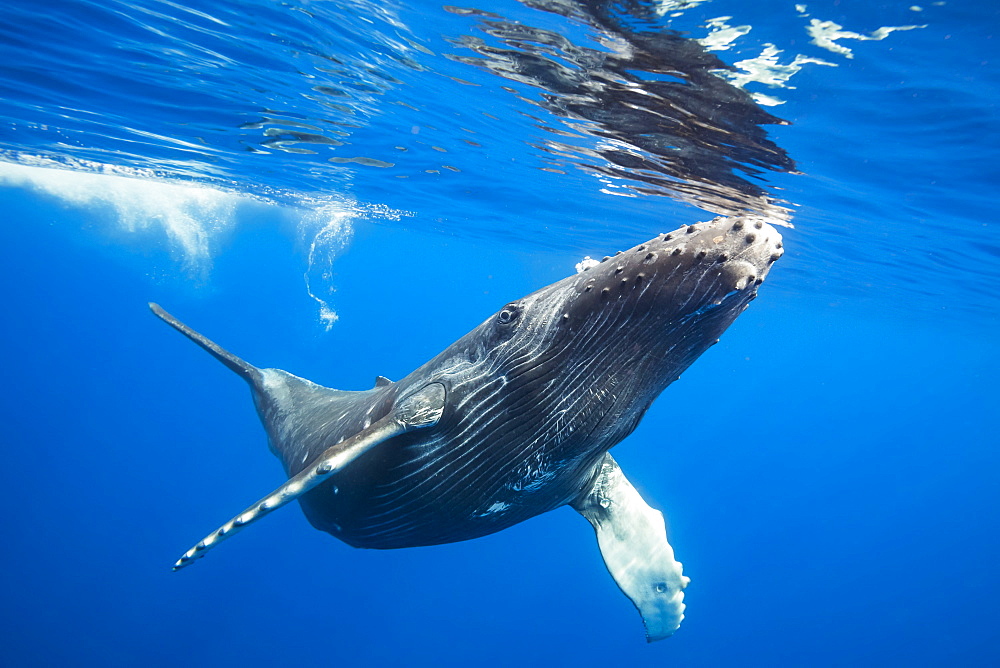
[{"x": 516, "y": 417}]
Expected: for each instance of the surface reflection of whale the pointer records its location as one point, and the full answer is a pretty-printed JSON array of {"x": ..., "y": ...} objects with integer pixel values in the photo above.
[
  {"x": 644, "y": 107},
  {"x": 516, "y": 417}
]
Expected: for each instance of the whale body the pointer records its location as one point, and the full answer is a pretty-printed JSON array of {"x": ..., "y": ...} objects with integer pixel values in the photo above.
[{"x": 517, "y": 417}]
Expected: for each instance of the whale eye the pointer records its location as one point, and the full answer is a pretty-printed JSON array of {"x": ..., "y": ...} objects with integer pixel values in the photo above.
[{"x": 508, "y": 314}]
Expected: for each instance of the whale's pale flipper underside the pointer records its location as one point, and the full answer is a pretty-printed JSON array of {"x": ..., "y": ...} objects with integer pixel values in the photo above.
[
  {"x": 420, "y": 409},
  {"x": 633, "y": 541}
]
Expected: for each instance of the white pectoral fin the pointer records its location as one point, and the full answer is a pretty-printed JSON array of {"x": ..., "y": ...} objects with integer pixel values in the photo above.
[
  {"x": 419, "y": 410},
  {"x": 633, "y": 541}
]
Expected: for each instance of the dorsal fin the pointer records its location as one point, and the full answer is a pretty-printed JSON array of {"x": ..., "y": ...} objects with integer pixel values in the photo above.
[{"x": 382, "y": 381}]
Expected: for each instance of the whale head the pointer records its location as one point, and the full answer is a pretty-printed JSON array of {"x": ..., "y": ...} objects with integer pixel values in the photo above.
[{"x": 621, "y": 330}]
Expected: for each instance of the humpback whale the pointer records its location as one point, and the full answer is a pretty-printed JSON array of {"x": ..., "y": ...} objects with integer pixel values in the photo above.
[{"x": 516, "y": 418}]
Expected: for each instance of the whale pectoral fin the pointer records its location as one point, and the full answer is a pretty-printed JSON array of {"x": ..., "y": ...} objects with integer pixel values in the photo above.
[
  {"x": 633, "y": 541},
  {"x": 248, "y": 371},
  {"x": 421, "y": 409},
  {"x": 333, "y": 459}
]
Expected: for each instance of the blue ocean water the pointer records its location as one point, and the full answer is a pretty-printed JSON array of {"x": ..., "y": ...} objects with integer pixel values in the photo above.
[{"x": 341, "y": 189}]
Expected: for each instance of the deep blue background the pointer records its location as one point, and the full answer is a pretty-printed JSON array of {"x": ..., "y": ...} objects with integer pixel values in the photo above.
[
  {"x": 828, "y": 473},
  {"x": 829, "y": 470}
]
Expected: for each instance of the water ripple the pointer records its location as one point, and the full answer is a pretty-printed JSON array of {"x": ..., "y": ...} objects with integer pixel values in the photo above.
[{"x": 593, "y": 122}]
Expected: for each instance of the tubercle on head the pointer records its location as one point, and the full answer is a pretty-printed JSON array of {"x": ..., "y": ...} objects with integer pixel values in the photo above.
[{"x": 735, "y": 255}]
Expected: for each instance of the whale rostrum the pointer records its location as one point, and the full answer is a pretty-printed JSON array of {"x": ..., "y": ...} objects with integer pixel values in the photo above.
[{"x": 516, "y": 418}]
